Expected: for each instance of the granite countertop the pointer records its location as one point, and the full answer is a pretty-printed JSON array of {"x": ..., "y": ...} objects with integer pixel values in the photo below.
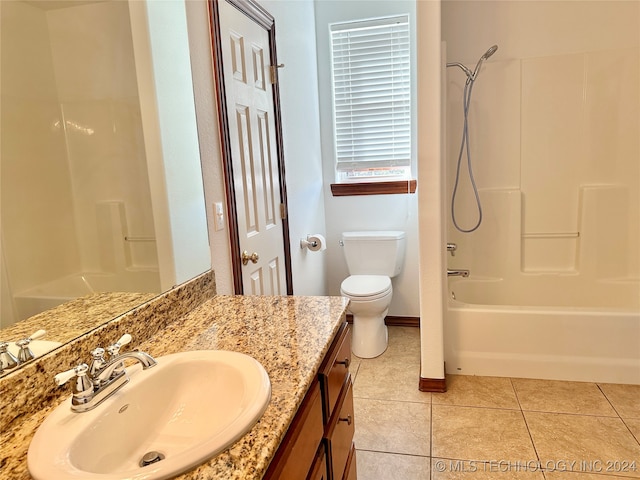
[{"x": 289, "y": 336}]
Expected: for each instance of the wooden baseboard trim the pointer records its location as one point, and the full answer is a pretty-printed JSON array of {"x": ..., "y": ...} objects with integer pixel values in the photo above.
[
  {"x": 394, "y": 321},
  {"x": 438, "y": 385},
  {"x": 402, "y": 321}
]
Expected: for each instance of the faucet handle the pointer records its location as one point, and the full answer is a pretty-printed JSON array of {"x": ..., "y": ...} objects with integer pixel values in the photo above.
[
  {"x": 25, "y": 354},
  {"x": 114, "y": 351},
  {"x": 63, "y": 377},
  {"x": 7, "y": 359},
  {"x": 115, "y": 348},
  {"x": 83, "y": 388}
]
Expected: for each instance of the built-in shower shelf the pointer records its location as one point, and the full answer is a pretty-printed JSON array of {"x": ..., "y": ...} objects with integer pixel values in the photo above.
[{"x": 552, "y": 235}]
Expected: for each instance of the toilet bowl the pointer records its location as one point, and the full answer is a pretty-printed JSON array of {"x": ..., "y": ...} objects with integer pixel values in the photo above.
[
  {"x": 373, "y": 258},
  {"x": 369, "y": 298}
]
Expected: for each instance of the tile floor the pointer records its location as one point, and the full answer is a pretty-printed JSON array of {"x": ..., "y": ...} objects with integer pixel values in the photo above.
[{"x": 498, "y": 428}]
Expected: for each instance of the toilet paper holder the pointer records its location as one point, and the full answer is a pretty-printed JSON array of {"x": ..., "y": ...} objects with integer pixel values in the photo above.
[{"x": 313, "y": 242}]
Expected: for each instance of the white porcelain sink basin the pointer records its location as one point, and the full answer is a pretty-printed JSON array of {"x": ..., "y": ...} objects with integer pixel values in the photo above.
[{"x": 188, "y": 408}]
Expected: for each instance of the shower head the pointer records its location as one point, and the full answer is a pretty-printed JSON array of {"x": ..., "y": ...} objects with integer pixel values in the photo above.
[
  {"x": 471, "y": 76},
  {"x": 486, "y": 55},
  {"x": 489, "y": 52}
]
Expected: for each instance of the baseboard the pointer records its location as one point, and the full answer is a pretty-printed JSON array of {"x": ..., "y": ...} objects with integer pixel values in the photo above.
[
  {"x": 438, "y": 385},
  {"x": 402, "y": 321},
  {"x": 394, "y": 321}
]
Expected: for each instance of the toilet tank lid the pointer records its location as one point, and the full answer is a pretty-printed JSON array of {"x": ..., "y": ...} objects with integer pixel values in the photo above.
[{"x": 374, "y": 234}]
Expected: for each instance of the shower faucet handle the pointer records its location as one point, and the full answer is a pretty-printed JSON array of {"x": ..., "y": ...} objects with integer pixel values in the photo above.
[{"x": 452, "y": 247}]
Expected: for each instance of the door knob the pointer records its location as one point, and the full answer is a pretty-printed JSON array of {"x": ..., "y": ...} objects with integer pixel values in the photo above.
[{"x": 246, "y": 257}]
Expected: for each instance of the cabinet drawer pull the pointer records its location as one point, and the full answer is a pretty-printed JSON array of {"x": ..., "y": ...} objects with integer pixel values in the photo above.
[
  {"x": 348, "y": 419},
  {"x": 346, "y": 362}
]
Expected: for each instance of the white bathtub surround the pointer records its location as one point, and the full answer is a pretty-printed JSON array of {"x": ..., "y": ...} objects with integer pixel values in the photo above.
[{"x": 554, "y": 289}]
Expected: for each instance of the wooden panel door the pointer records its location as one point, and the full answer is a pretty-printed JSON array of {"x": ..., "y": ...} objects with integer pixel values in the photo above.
[{"x": 253, "y": 147}]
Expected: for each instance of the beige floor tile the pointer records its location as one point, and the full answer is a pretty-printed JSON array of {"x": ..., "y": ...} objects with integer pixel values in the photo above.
[
  {"x": 403, "y": 341},
  {"x": 472, "y": 391},
  {"x": 633, "y": 424},
  {"x": 393, "y": 427},
  {"x": 354, "y": 366},
  {"x": 447, "y": 469},
  {"x": 390, "y": 378},
  {"x": 470, "y": 433},
  {"x": 564, "y": 475},
  {"x": 624, "y": 398},
  {"x": 562, "y": 397},
  {"x": 582, "y": 439},
  {"x": 391, "y": 466}
]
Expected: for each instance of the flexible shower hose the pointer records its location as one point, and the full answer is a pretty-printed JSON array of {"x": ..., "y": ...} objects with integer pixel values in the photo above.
[{"x": 464, "y": 145}]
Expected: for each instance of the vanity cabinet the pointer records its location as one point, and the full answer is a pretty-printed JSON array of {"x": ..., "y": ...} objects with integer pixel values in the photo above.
[{"x": 319, "y": 442}]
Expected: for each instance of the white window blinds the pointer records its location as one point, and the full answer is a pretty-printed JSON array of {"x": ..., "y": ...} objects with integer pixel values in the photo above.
[{"x": 371, "y": 87}]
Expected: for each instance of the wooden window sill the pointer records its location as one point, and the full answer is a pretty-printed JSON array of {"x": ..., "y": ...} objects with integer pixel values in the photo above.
[{"x": 373, "y": 188}]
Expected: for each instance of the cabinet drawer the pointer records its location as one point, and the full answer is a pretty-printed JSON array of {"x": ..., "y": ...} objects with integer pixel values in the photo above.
[
  {"x": 350, "y": 472},
  {"x": 334, "y": 371},
  {"x": 319, "y": 469},
  {"x": 340, "y": 432},
  {"x": 297, "y": 451}
]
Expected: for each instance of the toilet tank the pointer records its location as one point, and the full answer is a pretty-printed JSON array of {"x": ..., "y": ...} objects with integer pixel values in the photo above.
[{"x": 375, "y": 252}]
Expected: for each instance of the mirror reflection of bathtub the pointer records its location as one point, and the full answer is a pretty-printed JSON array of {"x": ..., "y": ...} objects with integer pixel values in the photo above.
[
  {"x": 539, "y": 326},
  {"x": 49, "y": 295}
]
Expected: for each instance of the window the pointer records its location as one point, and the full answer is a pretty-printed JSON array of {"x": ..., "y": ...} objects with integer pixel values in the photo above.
[{"x": 371, "y": 99}]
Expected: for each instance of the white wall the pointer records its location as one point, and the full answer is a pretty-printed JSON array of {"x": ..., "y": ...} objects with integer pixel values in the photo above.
[
  {"x": 209, "y": 140},
  {"x": 163, "y": 66},
  {"x": 431, "y": 177},
  {"x": 371, "y": 212},
  {"x": 301, "y": 131}
]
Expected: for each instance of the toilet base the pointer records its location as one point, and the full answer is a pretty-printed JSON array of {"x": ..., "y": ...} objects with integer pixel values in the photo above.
[{"x": 370, "y": 336}]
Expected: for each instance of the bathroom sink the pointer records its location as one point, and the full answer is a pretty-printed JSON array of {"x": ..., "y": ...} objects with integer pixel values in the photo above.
[{"x": 185, "y": 410}]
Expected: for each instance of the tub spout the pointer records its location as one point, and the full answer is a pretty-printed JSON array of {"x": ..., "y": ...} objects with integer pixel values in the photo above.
[{"x": 457, "y": 273}]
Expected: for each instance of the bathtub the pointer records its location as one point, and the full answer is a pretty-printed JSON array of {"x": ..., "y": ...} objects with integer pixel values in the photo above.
[
  {"x": 51, "y": 294},
  {"x": 531, "y": 328}
]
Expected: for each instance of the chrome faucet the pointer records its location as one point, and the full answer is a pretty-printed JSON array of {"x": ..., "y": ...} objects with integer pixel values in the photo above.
[
  {"x": 457, "y": 273},
  {"x": 8, "y": 360},
  {"x": 97, "y": 383}
]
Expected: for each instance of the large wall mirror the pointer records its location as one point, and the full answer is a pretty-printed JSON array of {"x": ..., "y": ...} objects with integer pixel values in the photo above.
[{"x": 87, "y": 171}]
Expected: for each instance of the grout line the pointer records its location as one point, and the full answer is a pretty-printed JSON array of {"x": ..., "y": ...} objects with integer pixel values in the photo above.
[
  {"x": 526, "y": 424},
  {"x": 392, "y": 453},
  {"x": 610, "y": 402},
  {"x": 629, "y": 429},
  {"x": 431, "y": 439}
]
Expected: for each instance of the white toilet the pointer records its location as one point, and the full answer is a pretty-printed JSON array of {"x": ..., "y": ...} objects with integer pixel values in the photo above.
[{"x": 372, "y": 259}]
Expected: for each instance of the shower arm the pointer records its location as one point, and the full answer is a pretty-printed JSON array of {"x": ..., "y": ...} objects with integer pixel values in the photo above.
[{"x": 464, "y": 68}]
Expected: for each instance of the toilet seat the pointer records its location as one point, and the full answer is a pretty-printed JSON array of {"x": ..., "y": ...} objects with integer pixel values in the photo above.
[{"x": 366, "y": 286}]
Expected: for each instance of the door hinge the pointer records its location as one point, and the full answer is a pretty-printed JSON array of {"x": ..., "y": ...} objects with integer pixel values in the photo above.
[
  {"x": 274, "y": 72},
  {"x": 283, "y": 211}
]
